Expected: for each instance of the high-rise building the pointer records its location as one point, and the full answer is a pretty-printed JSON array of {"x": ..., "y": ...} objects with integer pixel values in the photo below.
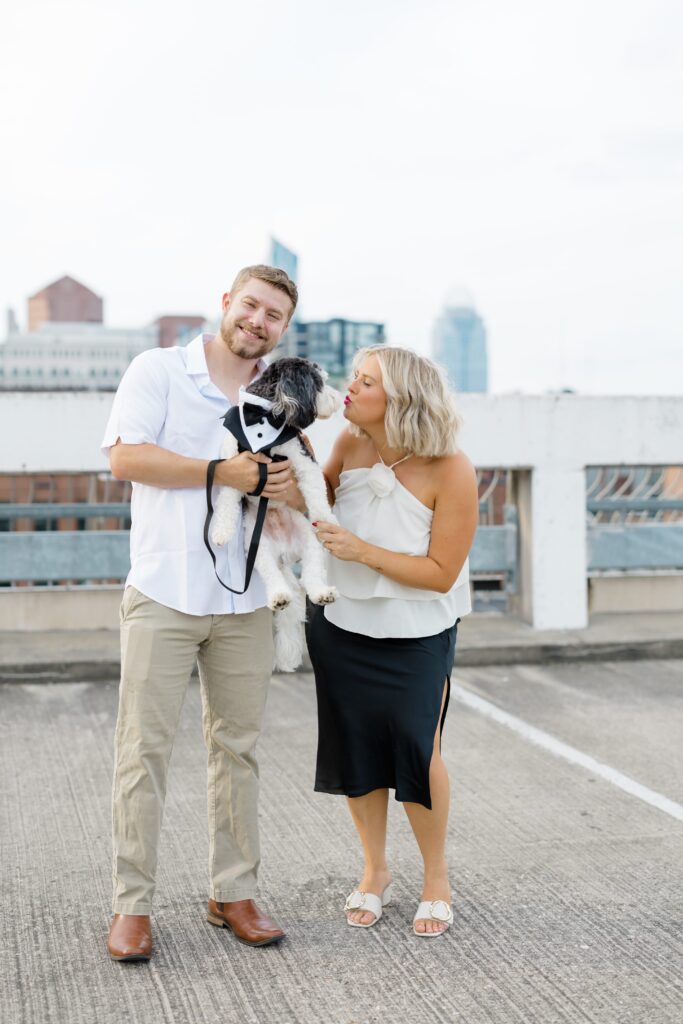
[
  {"x": 333, "y": 343},
  {"x": 284, "y": 259},
  {"x": 64, "y": 301},
  {"x": 459, "y": 344}
]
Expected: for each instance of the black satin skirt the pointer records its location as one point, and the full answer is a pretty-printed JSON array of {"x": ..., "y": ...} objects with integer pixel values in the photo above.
[{"x": 378, "y": 708}]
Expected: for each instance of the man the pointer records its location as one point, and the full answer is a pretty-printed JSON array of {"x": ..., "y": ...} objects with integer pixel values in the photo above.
[{"x": 165, "y": 426}]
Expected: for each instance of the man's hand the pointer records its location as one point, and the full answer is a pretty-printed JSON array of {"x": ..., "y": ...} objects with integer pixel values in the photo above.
[
  {"x": 279, "y": 480},
  {"x": 242, "y": 473}
]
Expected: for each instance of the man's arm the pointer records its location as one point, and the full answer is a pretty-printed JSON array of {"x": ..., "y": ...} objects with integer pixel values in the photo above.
[{"x": 158, "y": 467}]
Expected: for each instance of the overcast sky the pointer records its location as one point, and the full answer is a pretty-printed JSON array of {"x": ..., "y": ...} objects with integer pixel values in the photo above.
[{"x": 531, "y": 152}]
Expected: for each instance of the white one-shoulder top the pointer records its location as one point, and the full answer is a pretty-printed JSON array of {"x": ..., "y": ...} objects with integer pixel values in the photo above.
[{"x": 377, "y": 507}]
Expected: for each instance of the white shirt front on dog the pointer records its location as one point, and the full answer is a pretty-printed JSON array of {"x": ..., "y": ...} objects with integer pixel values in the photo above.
[
  {"x": 167, "y": 398},
  {"x": 261, "y": 434}
]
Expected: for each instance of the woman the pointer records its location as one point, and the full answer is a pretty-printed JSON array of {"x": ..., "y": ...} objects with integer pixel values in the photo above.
[{"x": 406, "y": 502}]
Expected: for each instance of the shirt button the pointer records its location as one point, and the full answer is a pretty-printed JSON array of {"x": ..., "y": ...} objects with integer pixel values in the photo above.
[
  {"x": 262, "y": 422},
  {"x": 259, "y": 435}
]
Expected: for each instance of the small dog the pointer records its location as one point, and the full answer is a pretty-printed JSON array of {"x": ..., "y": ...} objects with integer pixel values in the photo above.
[{"x": 289, "y": 395}]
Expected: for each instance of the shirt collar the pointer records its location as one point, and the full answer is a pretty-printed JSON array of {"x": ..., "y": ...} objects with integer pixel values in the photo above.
[
  {"x": 195, "y": 364},
  {"x": 195, "y": 361}
]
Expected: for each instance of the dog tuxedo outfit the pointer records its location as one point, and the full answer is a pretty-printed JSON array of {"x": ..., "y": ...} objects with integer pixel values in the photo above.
[
  {"x": 282, "y": 535},
  {"x": 257, "y": 429}
]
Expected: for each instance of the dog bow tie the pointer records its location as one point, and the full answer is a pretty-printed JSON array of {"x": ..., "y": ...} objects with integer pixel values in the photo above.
[{"x": 256, "y": 414}]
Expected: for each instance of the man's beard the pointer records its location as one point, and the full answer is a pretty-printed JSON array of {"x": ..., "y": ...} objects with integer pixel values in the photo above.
[{"x": 243, "y": 349}]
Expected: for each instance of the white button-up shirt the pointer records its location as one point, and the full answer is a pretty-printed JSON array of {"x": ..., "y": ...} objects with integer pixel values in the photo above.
[{"x": 167, "y": 398}]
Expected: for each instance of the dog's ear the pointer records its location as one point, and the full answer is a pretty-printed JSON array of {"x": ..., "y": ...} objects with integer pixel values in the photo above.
[
  {"x": 328, "y": 402},
  {"x": 284, "y": 403},
  {"x": 264, "y": 386},
  {"x": 322, "y": 371}
]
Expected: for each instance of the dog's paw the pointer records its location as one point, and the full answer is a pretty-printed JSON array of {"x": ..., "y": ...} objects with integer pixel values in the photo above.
[
  {"x": 279, "y": 600},
  {"x": 219, "y": 535},
  {"x": 326, "y": 595}
]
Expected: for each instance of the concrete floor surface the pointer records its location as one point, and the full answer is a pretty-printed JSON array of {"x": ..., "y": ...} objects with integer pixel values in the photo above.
[{"x": 568, "y": 891}]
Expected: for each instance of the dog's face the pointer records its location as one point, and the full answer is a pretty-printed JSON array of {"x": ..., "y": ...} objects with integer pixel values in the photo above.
[{"x": 298, "y": 391}]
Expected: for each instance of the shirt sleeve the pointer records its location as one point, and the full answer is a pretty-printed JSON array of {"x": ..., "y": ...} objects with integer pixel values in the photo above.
[{"x": 140, "y": 403}]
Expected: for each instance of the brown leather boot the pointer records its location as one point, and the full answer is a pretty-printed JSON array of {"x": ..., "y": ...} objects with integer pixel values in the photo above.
[
  {"x": 130, "y": 937},
  {"x": 246, "y": 922}
]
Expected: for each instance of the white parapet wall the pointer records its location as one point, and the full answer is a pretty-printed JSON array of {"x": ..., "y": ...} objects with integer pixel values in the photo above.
[
  {"x": 551, "y": 439},
  {"x": 41, "y": 609}
]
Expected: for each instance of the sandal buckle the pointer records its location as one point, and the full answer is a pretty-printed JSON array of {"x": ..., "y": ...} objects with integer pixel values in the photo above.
[
  {"x": 437, "y": 913},
  {"x": 355, "y": 901}
]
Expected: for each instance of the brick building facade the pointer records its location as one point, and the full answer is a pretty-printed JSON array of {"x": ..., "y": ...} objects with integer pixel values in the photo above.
[{"x": 64, "y": 301}]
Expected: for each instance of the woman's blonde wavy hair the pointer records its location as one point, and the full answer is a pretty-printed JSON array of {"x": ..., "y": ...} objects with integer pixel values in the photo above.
[{"x": 421, "y": 416}]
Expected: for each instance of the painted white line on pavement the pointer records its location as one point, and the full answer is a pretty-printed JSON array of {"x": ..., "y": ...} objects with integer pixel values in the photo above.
[{"x": 567, "y": 753}]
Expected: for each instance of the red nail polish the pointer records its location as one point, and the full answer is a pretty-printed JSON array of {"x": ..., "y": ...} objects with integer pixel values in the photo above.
[{"x": 314, "y": 524}]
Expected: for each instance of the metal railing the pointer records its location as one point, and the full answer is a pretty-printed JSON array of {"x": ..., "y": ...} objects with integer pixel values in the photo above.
[
  {"x": 634, "y": 519},
  {"x": 634, "y": 494},
  {"x": 39, "y": 546},
  {"x": 634, "y": 523}
]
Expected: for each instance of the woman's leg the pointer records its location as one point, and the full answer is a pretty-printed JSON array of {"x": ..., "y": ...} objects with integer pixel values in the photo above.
[
  {"x": 369, "y": 815},
  {"x": 430, "y": 831}
]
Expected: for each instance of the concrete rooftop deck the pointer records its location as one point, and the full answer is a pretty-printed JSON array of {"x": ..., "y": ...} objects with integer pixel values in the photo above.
[{"x": 568, "y": 889}]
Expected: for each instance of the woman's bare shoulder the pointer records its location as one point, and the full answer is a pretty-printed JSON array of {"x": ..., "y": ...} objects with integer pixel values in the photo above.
[
  {"x": 342, "y": 450},
  {"x": 347, "y": 443},
  {"x": 455, "y": 470},
  {"x": 346, "y": 440}
]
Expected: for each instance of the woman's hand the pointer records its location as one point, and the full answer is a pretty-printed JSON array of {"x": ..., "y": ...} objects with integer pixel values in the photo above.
[{"x": 341, "y": 543}]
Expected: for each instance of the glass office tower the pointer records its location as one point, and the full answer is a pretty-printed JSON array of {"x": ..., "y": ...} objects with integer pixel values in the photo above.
[{"x": 459, "y": 345}]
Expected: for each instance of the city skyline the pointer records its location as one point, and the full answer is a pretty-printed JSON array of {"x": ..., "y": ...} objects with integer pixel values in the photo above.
[
  {"x": 67, "y": 344},
  {"x": 532, "y": 153}
]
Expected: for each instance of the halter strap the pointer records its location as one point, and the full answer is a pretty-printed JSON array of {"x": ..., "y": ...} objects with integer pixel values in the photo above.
[{"x": 397, "y": 463}]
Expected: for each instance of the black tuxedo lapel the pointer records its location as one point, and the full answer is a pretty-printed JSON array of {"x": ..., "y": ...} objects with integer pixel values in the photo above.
[{"x": 233, "y": 423}]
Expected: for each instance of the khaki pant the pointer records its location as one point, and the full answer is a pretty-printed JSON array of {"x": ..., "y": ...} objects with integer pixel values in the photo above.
[{"x": 159, "y": 647}]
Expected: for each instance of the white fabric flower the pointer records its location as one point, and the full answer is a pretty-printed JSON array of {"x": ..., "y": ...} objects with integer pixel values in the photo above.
[{"x": 381, "y": 479}]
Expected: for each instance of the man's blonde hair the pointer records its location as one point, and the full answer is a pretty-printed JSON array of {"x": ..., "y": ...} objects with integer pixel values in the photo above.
[
  {"x": 272, "y": 275},
  {"x": 421, "y": 416}
]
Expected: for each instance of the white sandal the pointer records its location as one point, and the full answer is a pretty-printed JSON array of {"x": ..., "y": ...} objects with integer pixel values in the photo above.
[
  {"x": 433, "y": 910},
  {"x": 369, "y": 902}
]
